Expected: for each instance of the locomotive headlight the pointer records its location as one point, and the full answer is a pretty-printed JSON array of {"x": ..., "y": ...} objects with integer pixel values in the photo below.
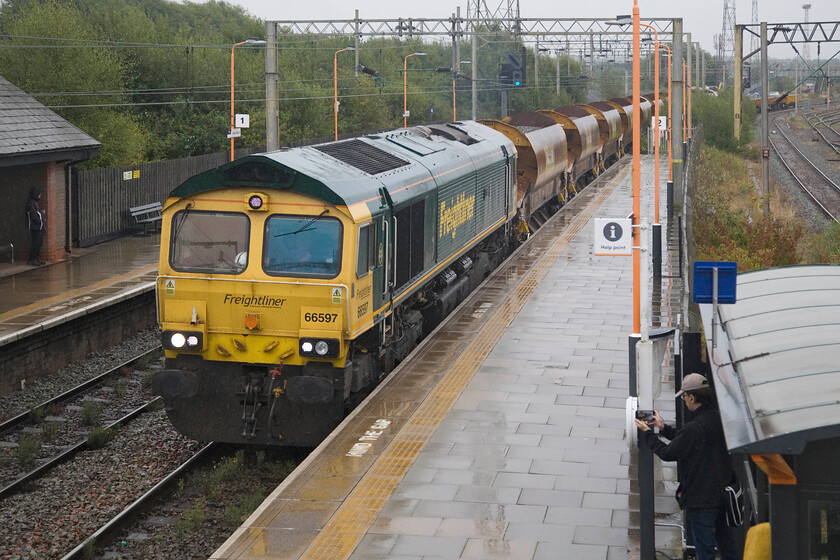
[
  {"x": 320, "y": 347},
  {"x": 182, "y": 340}
]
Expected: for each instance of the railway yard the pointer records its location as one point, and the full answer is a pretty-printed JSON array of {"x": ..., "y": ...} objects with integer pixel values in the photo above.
[
  {"x": 807, "y": 149},
  {"x": 202, "y": 494}
]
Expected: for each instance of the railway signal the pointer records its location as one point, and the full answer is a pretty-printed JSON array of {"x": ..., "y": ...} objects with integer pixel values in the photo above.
[{"x": 512, "y": 72}]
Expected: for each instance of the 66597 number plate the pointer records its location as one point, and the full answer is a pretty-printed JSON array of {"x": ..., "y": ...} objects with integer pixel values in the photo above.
[{"x": 319, "y": 318}]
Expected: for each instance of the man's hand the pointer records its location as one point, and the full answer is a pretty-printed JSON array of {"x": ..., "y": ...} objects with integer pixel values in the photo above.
[{"x": 643, "y": 426}]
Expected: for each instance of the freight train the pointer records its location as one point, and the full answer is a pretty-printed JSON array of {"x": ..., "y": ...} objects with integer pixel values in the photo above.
[{"x": 292, "y": 282}]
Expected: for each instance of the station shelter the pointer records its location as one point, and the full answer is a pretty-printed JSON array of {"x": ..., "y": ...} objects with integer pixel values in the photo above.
[
  {"x": 775, "y": 368},
  {"x": 37, "y": 148}
]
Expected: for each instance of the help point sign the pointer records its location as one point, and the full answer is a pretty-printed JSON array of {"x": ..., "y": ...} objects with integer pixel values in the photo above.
[{"x": 613, "y": 237}]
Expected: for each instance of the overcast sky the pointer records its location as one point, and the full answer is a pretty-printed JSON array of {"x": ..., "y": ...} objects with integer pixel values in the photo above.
[{"x": 702, "y": 18}]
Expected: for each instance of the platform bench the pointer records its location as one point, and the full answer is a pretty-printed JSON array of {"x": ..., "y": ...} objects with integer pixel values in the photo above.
[
  {"x": 10, "y": 248},
  {"x": 148, "y": 214}
]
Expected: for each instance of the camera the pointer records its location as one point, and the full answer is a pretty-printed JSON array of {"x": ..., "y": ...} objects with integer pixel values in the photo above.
[{"x": 645, "y": 415}]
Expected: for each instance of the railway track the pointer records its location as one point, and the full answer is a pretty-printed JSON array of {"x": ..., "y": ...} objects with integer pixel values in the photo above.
[
  {"x": 57, "y": 429},
  {"x": 825, "y": 123},
  {"x": 78, "y": 500},
  {"x": 818, "y": 187},
  {"x": 138, "y": 507}
]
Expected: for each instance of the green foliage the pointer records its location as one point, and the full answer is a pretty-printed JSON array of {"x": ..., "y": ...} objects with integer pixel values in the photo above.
[
  {"x": 99, "y": 438},
  {"x": 825, "y": 247},
  {"x": 150, "y": 79},
  {"x": 238, "y": 513},
  {"x": 717, "y": 116},
  {"x": 91, "y": 413},
  {"x": 728, "y": 229},
  {"x": 49, "y": 431},
  {"x": 191, "y": 519},
  {"x": 27, "y": 451}
]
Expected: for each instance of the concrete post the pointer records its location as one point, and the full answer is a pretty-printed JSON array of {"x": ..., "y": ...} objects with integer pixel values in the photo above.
[
  {"x": 765, "y": 141},
  {"x": 272, "y": 101}
]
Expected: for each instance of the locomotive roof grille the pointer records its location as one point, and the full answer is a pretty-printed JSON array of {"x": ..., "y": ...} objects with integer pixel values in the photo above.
[{"x": 362, "y": 156}]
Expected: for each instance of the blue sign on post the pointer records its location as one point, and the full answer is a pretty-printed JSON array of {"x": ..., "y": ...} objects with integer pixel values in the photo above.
[{"x": 704, "y": 281}]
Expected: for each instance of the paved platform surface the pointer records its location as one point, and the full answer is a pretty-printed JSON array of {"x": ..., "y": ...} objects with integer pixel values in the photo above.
[
  {"x": 503, "y": 436},
  {"x": 34, "y": 298}
]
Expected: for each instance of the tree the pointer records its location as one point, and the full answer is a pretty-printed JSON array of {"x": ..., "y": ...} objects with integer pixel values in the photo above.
[{"x": 57, "y": 71}]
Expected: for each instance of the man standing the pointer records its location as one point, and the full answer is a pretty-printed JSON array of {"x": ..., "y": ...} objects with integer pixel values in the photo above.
[
  {"x": 705, "y": 467},
  {"x": 36, "y": 222}
]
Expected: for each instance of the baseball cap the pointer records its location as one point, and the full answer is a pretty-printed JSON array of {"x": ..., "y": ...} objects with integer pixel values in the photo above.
[{"x": 692, "y": 382}]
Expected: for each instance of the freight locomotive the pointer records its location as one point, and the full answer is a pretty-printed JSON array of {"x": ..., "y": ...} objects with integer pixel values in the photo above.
[{"x": 292, "y": 282}]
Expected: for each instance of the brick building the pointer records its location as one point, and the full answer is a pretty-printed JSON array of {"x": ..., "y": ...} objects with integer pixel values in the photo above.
[{"x": 37, "y": 148}]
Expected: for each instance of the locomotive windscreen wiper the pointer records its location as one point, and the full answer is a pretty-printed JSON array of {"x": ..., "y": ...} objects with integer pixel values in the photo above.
[{"x": 304, "y": 227}]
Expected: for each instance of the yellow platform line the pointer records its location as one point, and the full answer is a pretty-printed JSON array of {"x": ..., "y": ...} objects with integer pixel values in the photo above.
[
  {"x": 71, "y": 294},
  {"x": 349, "y": 524}
]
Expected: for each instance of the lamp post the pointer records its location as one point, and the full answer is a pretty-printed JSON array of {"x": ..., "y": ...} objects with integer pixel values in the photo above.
[
  {"x": 335, "y": 85},
  {"x": 405, "y": 85},
  {"x": 248, "y": 41},
  {"x": 670, "y": 186}
]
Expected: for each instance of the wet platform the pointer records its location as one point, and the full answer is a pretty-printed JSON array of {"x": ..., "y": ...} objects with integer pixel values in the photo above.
[
  {"x": 502, "y": 436},
  {"x": 36, "y": 298}
]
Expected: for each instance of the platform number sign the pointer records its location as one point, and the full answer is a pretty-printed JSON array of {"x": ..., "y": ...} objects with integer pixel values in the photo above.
[{"x": 613, "y": 236}]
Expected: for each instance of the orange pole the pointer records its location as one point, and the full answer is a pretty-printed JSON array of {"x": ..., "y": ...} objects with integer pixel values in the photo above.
[
  {"x": 637, "y": 154},
  {"x": 454, "y": 118},
  {"x": 670, "y": 155},
  {"x": 231, "y": 95}
]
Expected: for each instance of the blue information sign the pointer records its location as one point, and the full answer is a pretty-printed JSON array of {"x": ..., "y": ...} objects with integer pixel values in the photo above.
[{"x": 704, "y": 282}]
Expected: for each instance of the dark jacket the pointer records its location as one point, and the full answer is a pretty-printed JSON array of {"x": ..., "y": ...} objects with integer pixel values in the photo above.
[
  {"x": 35, "y": 220},
  {"x": 699, "y": 448}
]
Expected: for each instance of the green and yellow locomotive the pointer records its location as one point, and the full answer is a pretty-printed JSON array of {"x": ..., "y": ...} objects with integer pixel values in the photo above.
[{"x": 291, "y": 282}]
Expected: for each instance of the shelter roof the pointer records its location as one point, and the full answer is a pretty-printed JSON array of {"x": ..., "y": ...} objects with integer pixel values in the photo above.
[
  {"x": 775, "y": 360},
  {"x": 32, "y": 133}
]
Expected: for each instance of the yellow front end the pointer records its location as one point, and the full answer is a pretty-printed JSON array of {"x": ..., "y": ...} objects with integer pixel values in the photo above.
[{"x": 258, "y": 301}]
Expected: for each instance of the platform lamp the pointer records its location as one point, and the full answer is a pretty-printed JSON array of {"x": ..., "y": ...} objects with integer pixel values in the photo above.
[
  {"x": 639, "y": 343},
  {"x": 248, "y": 41},
  {"x": 335, "y": 85},
  {"x": 670, "y": 185},
  {"x": 405, "y": 85}
]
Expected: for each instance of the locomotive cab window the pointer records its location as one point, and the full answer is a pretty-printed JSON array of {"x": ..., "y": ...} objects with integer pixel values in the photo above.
[
  {"x": 302, "y": 246},
  {"x": 209, "y": 242},
  {"x": 366, "y": 259}
]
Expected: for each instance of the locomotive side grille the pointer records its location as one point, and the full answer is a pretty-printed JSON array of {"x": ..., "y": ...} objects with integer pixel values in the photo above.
[{"x": 362, "y": 156}]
